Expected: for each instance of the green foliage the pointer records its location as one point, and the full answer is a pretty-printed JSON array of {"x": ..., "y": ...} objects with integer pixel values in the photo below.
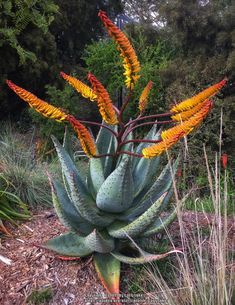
[
  {"x": 11, "y": 206},
  {"x": 16, "y": 16},
  {"x": 103, "y": 59},
  {"x": 64, "y": 98},
  {"x": 21, "y": 169},
  {"x": 94, "y": 215},
  {"x": 40, "y": 38},
  {"x": 40, "y": 296}
]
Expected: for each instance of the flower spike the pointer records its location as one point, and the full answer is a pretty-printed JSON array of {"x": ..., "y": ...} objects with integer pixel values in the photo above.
[
  {"x": 187, "y": 126},
  {"x": 103, "y": 100},
  {"x": 185, "y": 115},
  {"x": 130, "y": 61},
  {"x": 84, "y": 136},
  {"x": 82, "y": 88},
  {"x": 144, "y": 96},
  {"x": 195, "y": 100},
  {"x": 39, "y": 105},
  {"x": 173, "y": 135}
]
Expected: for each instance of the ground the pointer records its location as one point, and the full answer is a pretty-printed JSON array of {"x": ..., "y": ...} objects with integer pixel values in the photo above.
[{"x": 71, "y": 282}]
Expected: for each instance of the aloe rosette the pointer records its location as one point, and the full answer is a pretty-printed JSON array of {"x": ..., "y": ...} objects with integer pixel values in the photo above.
[{"x": 114, "y": 211}]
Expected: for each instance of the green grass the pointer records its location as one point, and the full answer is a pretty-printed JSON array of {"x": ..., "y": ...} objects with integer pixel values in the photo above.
[{"x": 40, "y": 296}]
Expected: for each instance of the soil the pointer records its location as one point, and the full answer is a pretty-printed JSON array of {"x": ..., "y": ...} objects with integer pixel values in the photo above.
[{"x": 72, "y": 282}]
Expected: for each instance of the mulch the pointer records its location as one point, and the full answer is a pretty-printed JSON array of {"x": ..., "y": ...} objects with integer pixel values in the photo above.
[{"x": 72, "y": 282}]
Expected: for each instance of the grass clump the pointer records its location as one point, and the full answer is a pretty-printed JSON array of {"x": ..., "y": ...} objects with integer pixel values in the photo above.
[
  {"x": 20, "y": 168},
  {"x": 40, "y": 296}
]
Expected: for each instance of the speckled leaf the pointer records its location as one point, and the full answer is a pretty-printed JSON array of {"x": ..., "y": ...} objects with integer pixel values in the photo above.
[
  {"x": 66, "y": 211},
  {"x": 95, "y": 176},
  {"x": 161, "y": 185},
  {"x": 116, "y": 193},
  {"x": 69, "y": 244},
  {"x": 100, "y": 242},
  {"x": 160, "y": 224},
  {"x": 144, "y": 257},
  {"x": 108, "y": 270},
  {"x": 136, "y": 227},
  {"x": 144, "y": 169},
  {"x": 67, "y": 143}
]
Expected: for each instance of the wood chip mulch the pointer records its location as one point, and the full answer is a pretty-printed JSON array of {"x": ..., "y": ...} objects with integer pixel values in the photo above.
[{"x": 72, "y": 282}]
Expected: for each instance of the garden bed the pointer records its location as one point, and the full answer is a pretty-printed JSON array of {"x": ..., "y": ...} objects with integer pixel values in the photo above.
[{"x": 69, "y": 282}]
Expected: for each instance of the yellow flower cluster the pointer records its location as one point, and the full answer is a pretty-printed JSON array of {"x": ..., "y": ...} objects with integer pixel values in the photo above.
[
  {"x": 82, "y": 88},
  {"x": 197, "y": 99},
  {"x": 103, "y": 101},
  {"x": 84, "y": 136},
  {"x": 39, "y": 105},
  {"x": 172, "y": 135},
  {"x": 130, "y": 61},
  {"x": 144, "y": 96}
]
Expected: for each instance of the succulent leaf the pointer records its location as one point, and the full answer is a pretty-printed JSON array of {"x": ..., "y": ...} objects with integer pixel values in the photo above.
[
  {"x": 100, "y": 242},
  {"x": 116, "y": 193},
  {"x": 66, "y": 211},
  {"x": 68, "y": 167},
  {"x": 80, "y": 196},
  {"x": 67, "y": 143},
  {"x": 160, "y": 224},
  {"x": 161, "y": 185},
  {"x": 69, "y": 244},
  {"x": 95, "y": 176},
  {"x": 144, "y": 170},
  {"x": 144, "y": 257},
  {"x": 137, "y": 226},
  {"x": 87, "y": 209},
  {"x": 108, "y": 270}
]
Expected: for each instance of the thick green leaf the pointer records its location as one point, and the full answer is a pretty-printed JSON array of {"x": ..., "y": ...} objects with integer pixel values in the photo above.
[
  {"x": 95, "y": 176},
  {"x": 116, "y": 193},
  {"x": 160, "y": 224},
  {"x": 108, "y": 270},
  {"x": 100, "y": 242},
  {"x": 69, "y": 168},
  {"x": 87, "y": 209},
  {"x": 69, "y": 244},
  {"x": 66, "y": 211},
  {"x": 108, "y": 161},
  {"x": 80, "y": 196},
  {"x": 162, "y": 184},
  {"x": 126, "y": 147},
  {"x": 67, "y": 143},
  {"x": 143, "y": 257},
  {"x": 136, "y": 227}
]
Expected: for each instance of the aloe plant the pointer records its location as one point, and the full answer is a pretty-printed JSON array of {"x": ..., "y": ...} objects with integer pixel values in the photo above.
[{"x": 112, "y": 213}]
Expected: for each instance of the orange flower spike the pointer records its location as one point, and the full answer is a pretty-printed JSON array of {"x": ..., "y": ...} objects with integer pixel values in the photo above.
[
  {"x": 39, "y": 105},
  {"x": 159, "y": 148},
  {"x": 185, "y": 115},
  {"x": 84, "y": 136},
  {"x": 144, "y": 96},
  {"x": 195, "y": 100},
  {"x": 82, "y": 88},
  {"x": 103, "y": 100},
  {"x": 187, "y": 126},
  {"x": 130, "y": 61}
]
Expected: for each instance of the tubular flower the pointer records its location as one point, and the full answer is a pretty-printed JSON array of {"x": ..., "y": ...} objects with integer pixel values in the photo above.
[
  {"x": 84, "y": 136},
  {"x": 159, "y": 148},
  {"x": 103, "y": 100},
  {"x": 82, "y": 88},
  {"x": 173, "y": 135},
  {"x": 187, "y": 126},
  {"x": 130, "y": 61},
  {"x": 144, "y": 96},
  {"x": 193, "y": 101},
  {"x": 185, "y": 115},
  {"x": 39, "y": 105}
]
